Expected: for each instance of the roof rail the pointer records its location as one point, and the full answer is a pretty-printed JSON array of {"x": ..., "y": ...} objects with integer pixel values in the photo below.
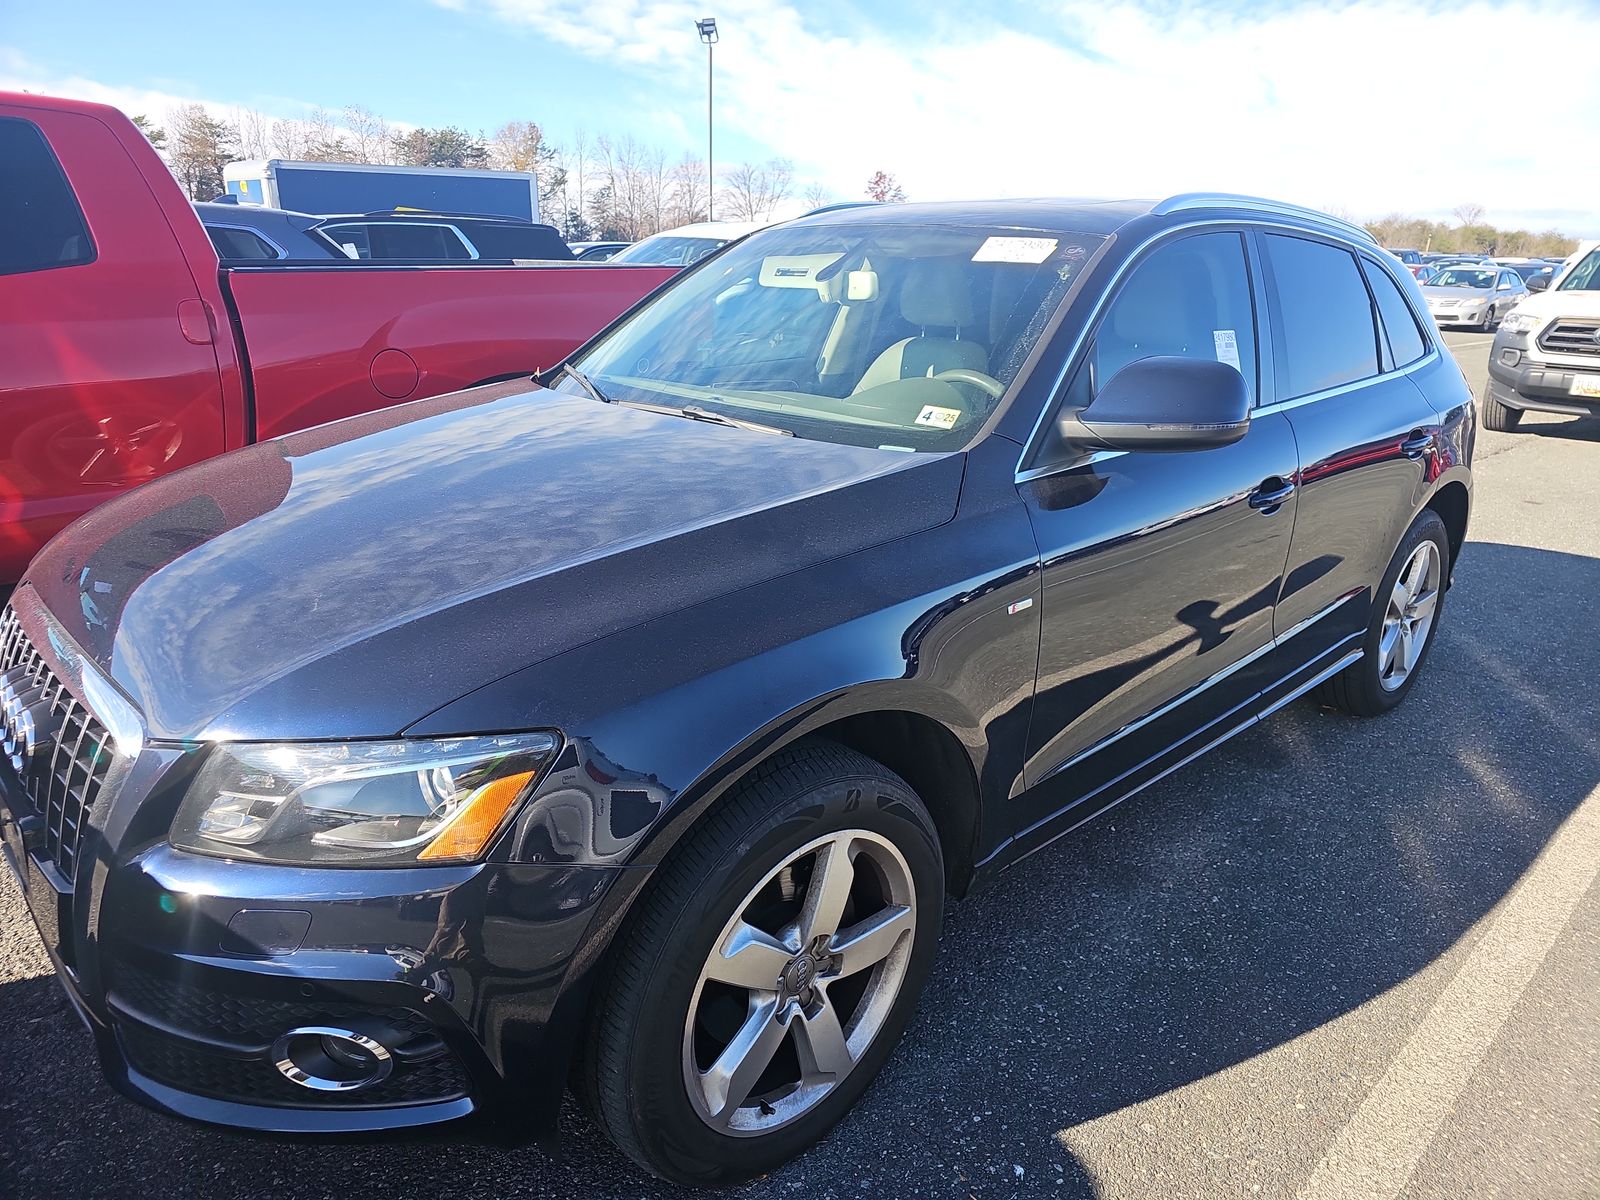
[
  {"x": 1188, "y": 200},
  {"x": 408, "y": 211}
]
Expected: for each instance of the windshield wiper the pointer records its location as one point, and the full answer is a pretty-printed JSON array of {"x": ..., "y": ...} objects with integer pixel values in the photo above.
[
  {"x": 695, "y": 413},
  {"x": 705, "y": 414},
  {"x": 582, "y": 381}
]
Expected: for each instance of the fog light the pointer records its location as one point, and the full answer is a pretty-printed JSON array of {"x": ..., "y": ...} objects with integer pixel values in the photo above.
[
  {"x": 1511, "y": 357},
  {"x": 327, "y": 1059}
]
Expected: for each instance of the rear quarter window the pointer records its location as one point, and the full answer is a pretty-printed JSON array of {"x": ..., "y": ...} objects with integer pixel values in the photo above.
[
  {"x": 1325, "y": 317},
  {"x": 1406, "y": 343},
  {"x": 41, "y": 225}
]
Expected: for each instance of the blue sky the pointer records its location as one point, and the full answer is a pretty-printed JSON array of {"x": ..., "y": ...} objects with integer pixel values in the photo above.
[{"x": 1340, "y": 107}]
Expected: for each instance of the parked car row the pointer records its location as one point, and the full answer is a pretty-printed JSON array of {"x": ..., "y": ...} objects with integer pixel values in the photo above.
[
  {"x": 254, "y": 233},
  {"x": 130, "y": 351}
]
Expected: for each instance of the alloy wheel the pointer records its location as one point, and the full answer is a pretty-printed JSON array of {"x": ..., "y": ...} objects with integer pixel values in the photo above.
[
  {"x": 1409, "y": 617},
  {"x": 799, "y": 982}
]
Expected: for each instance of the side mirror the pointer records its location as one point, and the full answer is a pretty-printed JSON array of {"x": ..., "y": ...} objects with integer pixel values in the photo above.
[
  {"x": 1538, "y": 283},
  {"x": 1164, "y": 403}
]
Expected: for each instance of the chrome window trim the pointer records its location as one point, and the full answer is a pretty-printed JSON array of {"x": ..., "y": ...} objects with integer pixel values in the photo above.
[
  {"x": 1023, "y": 473},
  {"x": 281, "y": 252},
  {"x": 472, "y": 251}
]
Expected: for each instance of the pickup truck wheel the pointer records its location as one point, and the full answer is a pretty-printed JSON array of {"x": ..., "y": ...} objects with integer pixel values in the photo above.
[
  {"x": 1405, "y": 616},
  {"x": 1501, "y": 418},
  {"x": 769, "y": 971}
]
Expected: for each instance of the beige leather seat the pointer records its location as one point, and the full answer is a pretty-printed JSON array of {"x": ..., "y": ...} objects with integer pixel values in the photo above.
[{"x": 933, "y": 296}]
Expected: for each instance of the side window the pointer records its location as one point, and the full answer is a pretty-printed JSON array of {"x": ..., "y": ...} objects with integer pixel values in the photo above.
[
  {"x": 402, "y": 239},
  {"x": 238, "y": 244},
  {"x": 1406, "y": 343},
  {"x": 350, "y": 239},
  {"x": 1189, "y": 298},
  {"x": 41, "y": 225},
  {"x": 1325, "y": 316}
]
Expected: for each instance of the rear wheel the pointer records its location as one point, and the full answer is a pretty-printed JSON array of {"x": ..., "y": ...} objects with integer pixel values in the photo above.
[
  {"x": 1501, "y": 418},
  {"x": 1405, "y": 615},
  {"x": 770, "y": 970}
]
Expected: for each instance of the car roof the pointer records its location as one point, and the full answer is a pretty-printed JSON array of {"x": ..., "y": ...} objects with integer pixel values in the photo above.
[{"x": 1083, "y": 215}]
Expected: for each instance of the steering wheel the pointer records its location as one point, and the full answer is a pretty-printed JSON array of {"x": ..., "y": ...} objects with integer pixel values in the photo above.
[{"x": 984, "y": 383}]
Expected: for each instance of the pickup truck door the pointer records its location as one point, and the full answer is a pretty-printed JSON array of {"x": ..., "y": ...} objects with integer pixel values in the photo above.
[{"x": 110, "y": 375}]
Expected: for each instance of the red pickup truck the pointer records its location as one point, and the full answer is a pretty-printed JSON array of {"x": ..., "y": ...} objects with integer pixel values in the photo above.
[{"x": 127, "y": 351}]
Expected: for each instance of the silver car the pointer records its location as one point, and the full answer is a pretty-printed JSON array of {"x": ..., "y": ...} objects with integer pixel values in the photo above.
[{"x": 1473, "y": 295}]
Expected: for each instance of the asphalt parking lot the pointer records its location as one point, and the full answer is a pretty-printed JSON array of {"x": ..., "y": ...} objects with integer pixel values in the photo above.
[{"x": 1333, "y": 959}]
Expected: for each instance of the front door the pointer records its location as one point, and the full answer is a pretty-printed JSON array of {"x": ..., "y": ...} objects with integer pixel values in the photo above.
[{"x": 1160, "y": 569}]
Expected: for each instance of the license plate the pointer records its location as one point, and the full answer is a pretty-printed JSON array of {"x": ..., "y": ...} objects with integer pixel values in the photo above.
[{"x": 1585, "y": 385}]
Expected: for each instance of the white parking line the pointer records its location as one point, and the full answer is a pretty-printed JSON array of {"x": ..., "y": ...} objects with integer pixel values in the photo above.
[{"x": 1376, "y": 1151}]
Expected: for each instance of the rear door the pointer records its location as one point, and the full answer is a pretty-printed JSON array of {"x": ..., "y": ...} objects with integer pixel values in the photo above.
[
  {"x": 1345, "y": 342},
  {"x": 109, "y": 375}
]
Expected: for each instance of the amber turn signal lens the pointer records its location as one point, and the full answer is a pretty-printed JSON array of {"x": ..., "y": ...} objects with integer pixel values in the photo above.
[{"x": 468, "y": 832}]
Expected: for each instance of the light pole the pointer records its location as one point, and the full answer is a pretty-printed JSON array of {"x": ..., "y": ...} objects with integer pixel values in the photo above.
[{"x": 708, "y": 34}]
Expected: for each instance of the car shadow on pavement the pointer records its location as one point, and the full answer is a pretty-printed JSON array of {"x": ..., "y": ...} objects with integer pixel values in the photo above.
[
  {"x": 1307, "y": 867},
  {"x": 1575, "y": 429}
]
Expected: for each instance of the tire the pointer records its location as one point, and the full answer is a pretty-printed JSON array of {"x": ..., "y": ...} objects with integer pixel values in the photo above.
[
  {"x": 1491, "y": 319},
  {"x": 1501, "y": 418},
  {"x": 750, "y": 860},
  {"x": 1374, "y": 684}
]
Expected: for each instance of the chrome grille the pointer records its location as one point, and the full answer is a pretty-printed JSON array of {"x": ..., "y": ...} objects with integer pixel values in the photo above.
[
  {"x": 55, "y": 745},
  {"x": 1571, "y": 337}
]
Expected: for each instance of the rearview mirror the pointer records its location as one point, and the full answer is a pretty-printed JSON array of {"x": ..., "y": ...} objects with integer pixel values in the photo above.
[
  {"x": 1164, "y": 403},
  {"x": 1538, "y": 283}
]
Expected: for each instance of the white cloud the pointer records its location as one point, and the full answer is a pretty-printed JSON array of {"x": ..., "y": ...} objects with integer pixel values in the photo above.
[{"x": 1371, "y": 106}]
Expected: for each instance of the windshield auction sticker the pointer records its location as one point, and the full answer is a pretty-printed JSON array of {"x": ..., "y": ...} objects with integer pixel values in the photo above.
[
  {"x": 1015, "y": 249},
  {"x": 939, "y": 418}
]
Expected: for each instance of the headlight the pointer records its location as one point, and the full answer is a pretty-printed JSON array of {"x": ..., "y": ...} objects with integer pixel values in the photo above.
[
  {"x": 1519, "y": 323},
  {"x": 359, "y": 803}
]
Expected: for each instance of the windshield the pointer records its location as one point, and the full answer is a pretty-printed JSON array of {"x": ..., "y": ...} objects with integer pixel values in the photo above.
[
  {"x": 665, "y": 250},
  {"x": 1463, "y": 277},
  {"x": 897, "y": 336},
  {"x": 1585, "y": 277}
]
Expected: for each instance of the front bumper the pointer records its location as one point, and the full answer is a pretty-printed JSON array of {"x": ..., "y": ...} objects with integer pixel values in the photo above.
[
  {"x": 465, "y": 974},
  {"x": 1455, "y": 316},
  {"x": 1520, "y": 376}
]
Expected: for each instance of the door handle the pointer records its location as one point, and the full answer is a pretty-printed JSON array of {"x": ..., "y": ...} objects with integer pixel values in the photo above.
[
  {"x": 1415, "y": 445},
  {"x": 1271, "y": 495}
]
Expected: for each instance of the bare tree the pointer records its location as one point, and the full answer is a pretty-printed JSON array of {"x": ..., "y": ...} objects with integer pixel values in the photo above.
[
  {"x": 817, "y": 195},
  {"x": 752, "y": 191},
  {"x": 326, "y": 140},
  {"x": 688, "y": 203},
  {"x": 255, "y": 133},
  {"x": 370, "y": 134},
  {"x": 1468, "y": 214}
]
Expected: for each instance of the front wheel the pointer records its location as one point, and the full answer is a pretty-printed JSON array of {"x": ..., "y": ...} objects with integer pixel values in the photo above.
[
  {"x": 1405, "y": 615},
  {"x": 1501, "y": 418},
  {"x": 770, "y": 969}
]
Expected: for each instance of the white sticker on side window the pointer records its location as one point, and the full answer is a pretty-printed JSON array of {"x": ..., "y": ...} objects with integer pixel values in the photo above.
[
  {"x": 939, "y": 418},
  {"x": 1227, "y": 347},
  {"x": 1015, "y": 249}
]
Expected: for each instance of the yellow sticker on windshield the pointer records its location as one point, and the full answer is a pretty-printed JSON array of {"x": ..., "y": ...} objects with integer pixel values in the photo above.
[{"x": 939, "y": 418}]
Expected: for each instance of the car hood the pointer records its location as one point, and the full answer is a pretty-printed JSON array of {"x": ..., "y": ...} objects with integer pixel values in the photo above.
[
  {"x": 348, "y": 580},
  {"x": 1548, "y": 304}
]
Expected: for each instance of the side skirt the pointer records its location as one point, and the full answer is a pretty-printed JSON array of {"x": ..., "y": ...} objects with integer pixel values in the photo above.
[{"x": 1158, "y": 766}]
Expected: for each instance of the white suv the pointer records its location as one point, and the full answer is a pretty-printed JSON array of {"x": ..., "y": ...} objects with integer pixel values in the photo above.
[{"x": 1546, "y": 356}]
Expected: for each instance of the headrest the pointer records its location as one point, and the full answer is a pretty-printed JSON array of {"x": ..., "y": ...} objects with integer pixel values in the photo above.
[
  {"x": 1163, "y": 300},
  {"x": 935, "y": 293}
]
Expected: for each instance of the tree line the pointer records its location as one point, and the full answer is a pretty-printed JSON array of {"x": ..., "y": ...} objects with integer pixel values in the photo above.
[
  {"x": 1471, "y": 234},
  {"x": 598, "y": 187}
]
